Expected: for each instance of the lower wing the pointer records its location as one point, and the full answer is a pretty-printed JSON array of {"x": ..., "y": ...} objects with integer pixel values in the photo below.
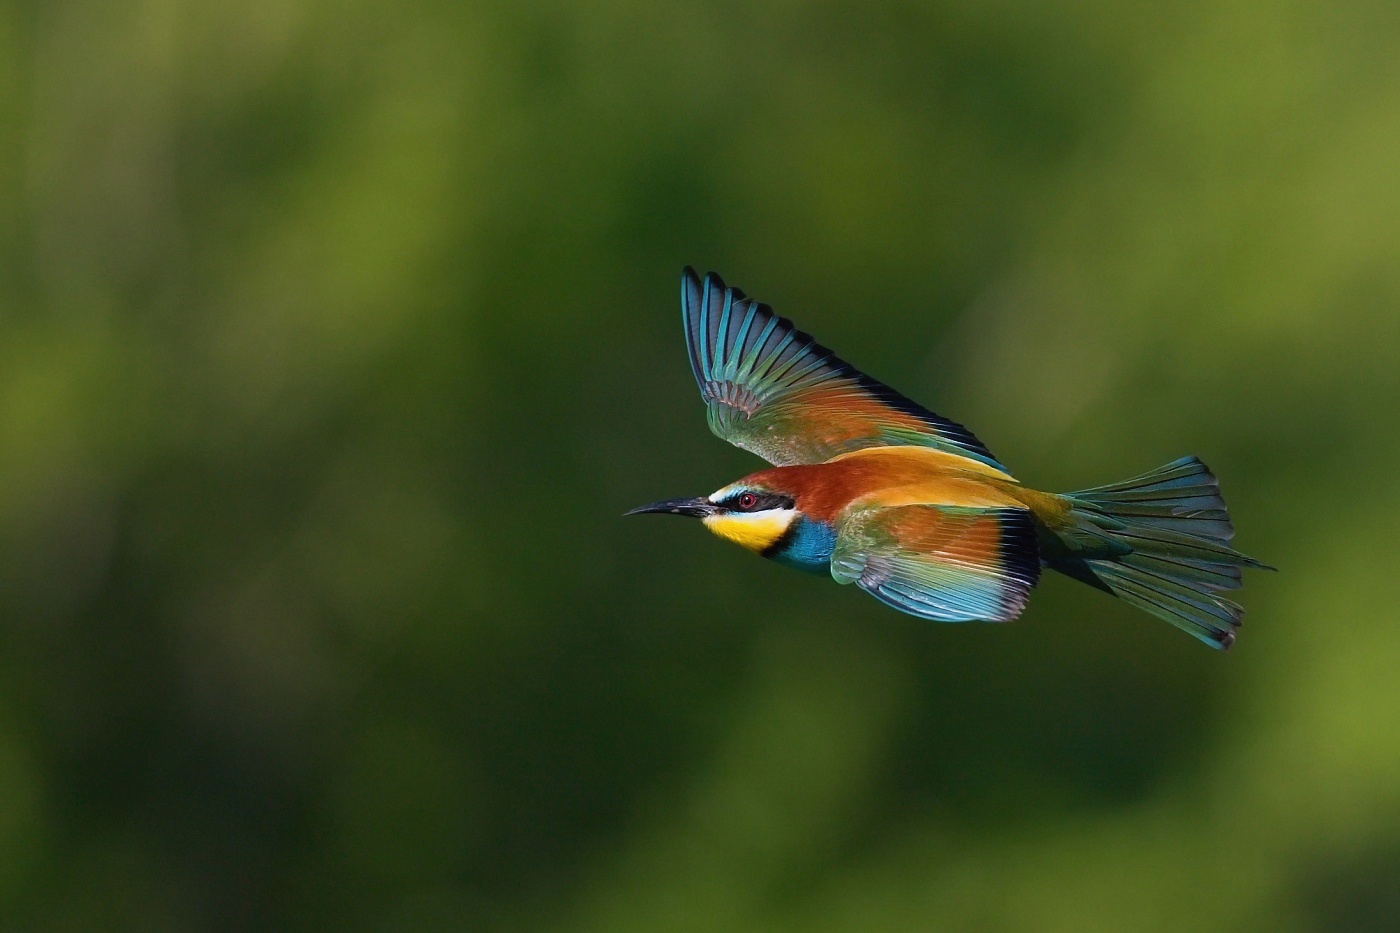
[{"x": 948, "y": 564}]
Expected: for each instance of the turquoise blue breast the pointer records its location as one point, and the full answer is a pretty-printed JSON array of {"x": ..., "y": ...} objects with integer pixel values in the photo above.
[{"x": 806, "y": 545}]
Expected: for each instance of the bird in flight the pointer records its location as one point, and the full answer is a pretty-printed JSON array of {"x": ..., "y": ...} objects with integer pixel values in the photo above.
[{"x": 878, "y": 491}]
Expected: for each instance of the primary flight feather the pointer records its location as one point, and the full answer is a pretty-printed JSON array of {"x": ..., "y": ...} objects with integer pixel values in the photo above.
[{"x": 876, "y": 490}]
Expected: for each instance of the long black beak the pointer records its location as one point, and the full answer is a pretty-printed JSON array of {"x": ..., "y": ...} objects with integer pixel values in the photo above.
[{"x": 696, "y": 508}]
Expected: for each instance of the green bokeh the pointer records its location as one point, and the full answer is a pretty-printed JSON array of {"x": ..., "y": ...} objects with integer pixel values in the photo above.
[{"x": 336, "y": 337}]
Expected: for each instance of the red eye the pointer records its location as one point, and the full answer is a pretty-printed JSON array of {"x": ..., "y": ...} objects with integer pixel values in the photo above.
[{"x": 746, "y": 500}]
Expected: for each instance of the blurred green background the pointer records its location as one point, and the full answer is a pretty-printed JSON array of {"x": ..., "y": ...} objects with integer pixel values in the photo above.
[{"x": 336, "y": 337}]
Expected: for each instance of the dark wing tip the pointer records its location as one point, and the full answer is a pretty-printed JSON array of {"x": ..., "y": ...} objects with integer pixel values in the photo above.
[
  {"x": 691, "y": 294},
  {"x": 710, "y": 334},
  {"x": 690, "y": 290},
  {"x": 1019, "y": 557},
  {"x": 716, "y": 284},
  {"x": 701, "y": 303}
]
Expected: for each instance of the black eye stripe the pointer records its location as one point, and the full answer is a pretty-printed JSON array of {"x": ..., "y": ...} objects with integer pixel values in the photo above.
[{"x": 762, "y": 501}]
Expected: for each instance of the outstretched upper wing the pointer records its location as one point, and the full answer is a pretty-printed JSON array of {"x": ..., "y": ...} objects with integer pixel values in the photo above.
[
  {"x": 776, "y": 392},
  {"x": 940, "y": 562}
]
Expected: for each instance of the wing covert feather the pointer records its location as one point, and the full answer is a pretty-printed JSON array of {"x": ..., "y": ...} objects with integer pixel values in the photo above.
[
  {"x": 774, "y": 391},
  {"x": 941, "y": 563}
]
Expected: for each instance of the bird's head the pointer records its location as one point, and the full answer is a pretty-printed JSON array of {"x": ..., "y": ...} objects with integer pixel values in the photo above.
[{"x": 750, "y": 513}]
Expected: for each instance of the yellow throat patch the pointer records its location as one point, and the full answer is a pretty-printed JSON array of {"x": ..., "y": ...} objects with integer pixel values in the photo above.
[{"x": 756, "y": 531}]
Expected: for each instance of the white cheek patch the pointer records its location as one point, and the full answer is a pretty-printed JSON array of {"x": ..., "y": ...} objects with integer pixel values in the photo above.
[{"x": 756, "y": 531}]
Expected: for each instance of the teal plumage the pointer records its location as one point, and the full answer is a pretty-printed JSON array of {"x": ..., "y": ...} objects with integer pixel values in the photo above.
[
  {"x": 914, "y": 509},
  {"x": 1164, "y": 548},
  {"x": 776, "y": 392},
  {"x": 943, "y": 569},
  {"x": 806, "y": 545}
]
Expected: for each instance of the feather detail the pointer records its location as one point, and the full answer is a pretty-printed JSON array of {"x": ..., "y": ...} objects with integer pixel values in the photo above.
[
  {"x": 941, "y": 563},
  {"x": 1160, "y": 541},
  {"x": 889, "y": 476},
  {"x": 773, "y": 390}
]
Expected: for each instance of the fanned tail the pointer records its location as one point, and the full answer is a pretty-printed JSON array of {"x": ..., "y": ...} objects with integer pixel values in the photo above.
[{"x": 1160, "y": 541}]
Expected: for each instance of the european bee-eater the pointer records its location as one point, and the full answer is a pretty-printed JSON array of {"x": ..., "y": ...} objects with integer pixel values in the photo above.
[{"x": 872, "y": 488}]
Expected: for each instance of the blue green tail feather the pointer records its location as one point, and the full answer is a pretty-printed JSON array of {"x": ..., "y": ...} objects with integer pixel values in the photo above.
[{"x": 1160, "y": 542}]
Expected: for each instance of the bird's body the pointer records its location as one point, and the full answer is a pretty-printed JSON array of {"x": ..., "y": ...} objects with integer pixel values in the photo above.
[{"x": 878, "y": 491}]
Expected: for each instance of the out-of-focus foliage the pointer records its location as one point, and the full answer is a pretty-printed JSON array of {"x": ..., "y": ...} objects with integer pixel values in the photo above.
[{"x": 335, "y": 337}]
